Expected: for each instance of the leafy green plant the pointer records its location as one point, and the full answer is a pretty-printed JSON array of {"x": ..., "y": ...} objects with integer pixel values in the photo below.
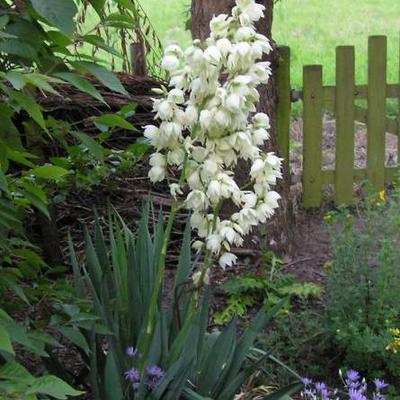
[
  {"x": 16, "y": 382},
  {"x": 363, "y": 283},
  {"x": 120, "y": 278},
  {"x": 270, "y": 288},
  {"x": 41, "y": 158}
]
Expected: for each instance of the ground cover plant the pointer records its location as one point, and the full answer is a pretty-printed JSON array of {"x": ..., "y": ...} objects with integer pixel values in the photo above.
[{"x": 356, "y": 325}]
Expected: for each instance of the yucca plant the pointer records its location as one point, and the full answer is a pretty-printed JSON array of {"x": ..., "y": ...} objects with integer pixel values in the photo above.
[{"x": 184, "y": 360}]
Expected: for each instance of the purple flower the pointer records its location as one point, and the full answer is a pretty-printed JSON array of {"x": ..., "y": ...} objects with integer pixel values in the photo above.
[
  {"x": 380, "y": 384},
  {"x": 306, "y": 381},
  {"x": 353, "y": 375},
  {"x": 356, "y": 395},
  {"x": 155, "y": 374},
  {"x": 320, "y": 386},
  {"x": 133, "y": 375},
  {"x": 378, "y": 396},
  {"x": 155, "y": 371},
  {"x": 131, "y": 351}
]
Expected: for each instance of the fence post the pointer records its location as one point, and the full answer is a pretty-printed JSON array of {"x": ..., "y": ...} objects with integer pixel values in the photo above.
[
  {"x": 376, "y": 121},
  {"x": 344, "y": 110},
  {"x": 284, "y": 102},
  {"x": 312, "y": 141},
  {"x": 398, "y": 115}
]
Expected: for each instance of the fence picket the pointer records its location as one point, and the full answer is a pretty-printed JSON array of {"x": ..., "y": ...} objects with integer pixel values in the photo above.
[
  {"x": 377, "y": 60},
  {"x": 345, "y": 114},
  {"x": 398, "y": 116},
  {"x": 284, "y": 102},
  {"x": 313, "y": 126}
]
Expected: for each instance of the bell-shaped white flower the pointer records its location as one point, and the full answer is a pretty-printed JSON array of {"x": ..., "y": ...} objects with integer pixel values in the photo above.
[
  {"x": 227, "y": 260},
  {"x": 170, "y": 63}
]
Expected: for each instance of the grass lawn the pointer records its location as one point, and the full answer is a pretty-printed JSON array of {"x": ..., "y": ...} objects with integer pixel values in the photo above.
[{"x": 312, "y": 28}]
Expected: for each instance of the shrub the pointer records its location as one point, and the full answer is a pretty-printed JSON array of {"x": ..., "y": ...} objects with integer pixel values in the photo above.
[{"x": 363, "y": 283}]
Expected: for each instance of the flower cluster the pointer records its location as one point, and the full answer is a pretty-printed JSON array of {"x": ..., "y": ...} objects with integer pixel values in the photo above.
[
  {"x": 355, "y": 389},
  {"x": 208, "y": 122},
  {"x": 394, "y": 345},
  {"x": 154, "y": 373}
]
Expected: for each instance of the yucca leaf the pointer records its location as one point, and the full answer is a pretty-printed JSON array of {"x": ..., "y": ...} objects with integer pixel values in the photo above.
[
  {"x": 93, "y": 263},
  {"x": 233, "y": 386},
  {"x": 219, "y": 360},
  {"x": 285, "y": 392},
  {"x": 78, "y": 282},
  {"x": 246, "y": 341},
  {"x": 112, "y": 379},
  {"x": 189, "y": 394}
]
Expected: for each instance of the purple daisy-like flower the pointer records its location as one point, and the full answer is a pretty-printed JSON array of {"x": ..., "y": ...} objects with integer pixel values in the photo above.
[
  {"x": 131, "y": 351},
  {"x": 320, "y": 386},
  {"x": 380, "y": 384},
  {"x": 356, "y": 395},
  {"x": 353, "y": 375},
  {"x": 133, "y": 375},
  {"x": 306, "y": 381},
  {"x": 155, "y": 371},
  {"x": 155, "y": 374}
]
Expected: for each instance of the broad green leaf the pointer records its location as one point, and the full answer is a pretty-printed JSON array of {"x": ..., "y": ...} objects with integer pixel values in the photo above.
[
  {"x": 49, "y": 172},
  {"x": 114, "y": 121},
  {"x": 98, "y": 5},
  {"x": 95, "y": 148},
  {"x": 81, "y": 84},
  {"x": 21, "y": 157},
  {"x": 12, "y": 284},
  {"x": 30, "y": 105},
  {"x": 16, "y": 372},
  {"x": 5, "y": 341},
  {"x": 3, "y": 183},
  {"x": 4, "y": 21},
  {"x": 118, "y": 20},
  {"x": 59, "y": 13},
  {"x": 59, "y": 38},
  {"x": 99, "y": 42},
  {"x": 52, "y": 386},
  {"x": 42, "y": 82},
  {"x": 16, "y": 79},
  {"x": 16, "y": 47},
  {"x": 106, "y": 77},
  {"x": 76, "y": 337}
]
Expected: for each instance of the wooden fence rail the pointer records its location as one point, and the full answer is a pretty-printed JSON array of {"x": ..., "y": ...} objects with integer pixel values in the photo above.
[{"x": 340, "y": 100}]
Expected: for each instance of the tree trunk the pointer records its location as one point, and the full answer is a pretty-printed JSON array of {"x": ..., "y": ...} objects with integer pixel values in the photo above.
[{"x": 278, "y": 229}]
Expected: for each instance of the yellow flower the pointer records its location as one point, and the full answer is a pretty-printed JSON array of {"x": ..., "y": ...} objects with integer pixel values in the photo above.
[
  {"x": 328, "y": 217},
  {"x": 394, "y": 346},
  {"x": 382, "y": 195},
  {"x": 328, "y": 265}
]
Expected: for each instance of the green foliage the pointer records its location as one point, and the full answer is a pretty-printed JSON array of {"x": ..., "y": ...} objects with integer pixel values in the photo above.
[
  {"x": 120, "y": 278},
  {"x": 298, "y": 339},
  {"x": 271, "y": 288},
  {"x": 31, "y": 180},
  {"x": 16, "y": 381},
  {"x": 363, "y": 283}
]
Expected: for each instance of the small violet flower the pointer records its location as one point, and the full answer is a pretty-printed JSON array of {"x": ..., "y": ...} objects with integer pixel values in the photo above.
[
  {"x": 380, "y": 384},
  {"x": 353, "y": 375},
  {"x": 133, "y": 375},
  {"x": 356, "y": 389}
]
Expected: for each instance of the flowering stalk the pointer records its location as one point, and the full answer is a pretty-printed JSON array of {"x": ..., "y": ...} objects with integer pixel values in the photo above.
[{"x": 209, "y": 117}]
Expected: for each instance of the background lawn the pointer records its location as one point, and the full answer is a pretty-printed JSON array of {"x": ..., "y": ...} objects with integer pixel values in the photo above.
[{"x": 312, "y": 28}]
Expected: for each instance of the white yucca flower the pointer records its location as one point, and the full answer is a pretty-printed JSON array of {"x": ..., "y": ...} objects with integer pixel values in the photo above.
[{"x": 207, "y": 122}]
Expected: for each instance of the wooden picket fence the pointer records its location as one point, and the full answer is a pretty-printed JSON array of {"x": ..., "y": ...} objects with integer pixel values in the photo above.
[{"x": 340, "y": 100}]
